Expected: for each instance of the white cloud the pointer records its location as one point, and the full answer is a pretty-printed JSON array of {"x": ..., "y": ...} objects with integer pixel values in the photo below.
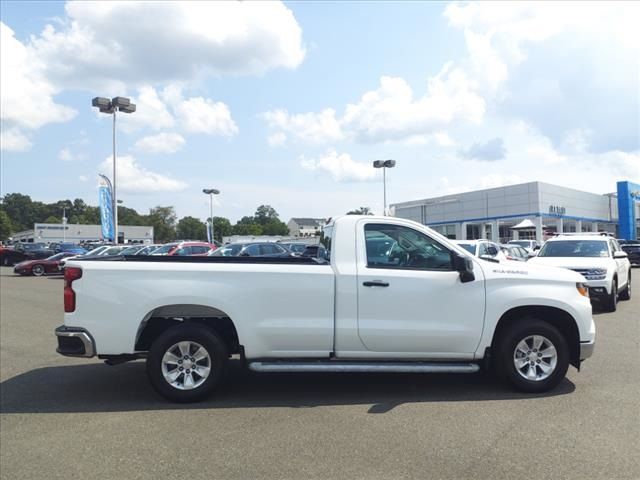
[
  {"x": 200, "y": 115},
  {"x": 278, "y": 139},
  {"x": 558, "y": 66},
  {"x": 83, "y": 178},
  {"x": 161, "y": 143},
  {"x": 341, "y": 167},
  {"x": 65, "y": 155},
  {"x": 127, "y": 42},
  {"x": 27, "y": 94},
  {"x": 133, "y": 178},
  {"x": 13, "y": 140},
  {"x": 310, "y": 127},
  {"x": 392, "y": 113},
  {"x": 151, "y": 112}
]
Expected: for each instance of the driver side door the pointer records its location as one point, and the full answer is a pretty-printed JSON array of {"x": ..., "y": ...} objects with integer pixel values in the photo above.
[{"x": 411, "y": 301}]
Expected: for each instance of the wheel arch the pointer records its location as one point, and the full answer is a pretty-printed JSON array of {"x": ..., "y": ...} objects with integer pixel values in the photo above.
[
  {"x": 557, "y": 317},
  {"x": 164, "y": 317}
]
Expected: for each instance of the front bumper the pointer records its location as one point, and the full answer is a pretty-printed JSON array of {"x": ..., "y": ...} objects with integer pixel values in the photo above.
[
  {"x": 586, "y": 349},
  {"x": 75, "y": 342}
]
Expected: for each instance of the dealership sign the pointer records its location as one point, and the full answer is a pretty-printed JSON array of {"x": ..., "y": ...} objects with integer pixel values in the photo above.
[{"x": 556, "y": 210}]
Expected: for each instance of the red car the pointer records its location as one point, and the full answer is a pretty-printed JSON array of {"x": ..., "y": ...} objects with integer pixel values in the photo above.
[
  {"x": 42, "y": 266},
  {"x": 184, "y": 249}
]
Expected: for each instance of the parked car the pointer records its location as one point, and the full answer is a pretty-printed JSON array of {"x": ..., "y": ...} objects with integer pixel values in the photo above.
[
  {"x": 185, "y": 249},
  {"x": 516, "y": 253},
  {"x": 601, "y": 261},
  {"x": 69, "y": 247},
  {"x": 314, "y": 251},
  {"x": 633, "y": 252},
  {"x": 34, "y": 250},
  {"x": 430, "y": 307},
  {"x": 482, "y": 249},
  {"x": 10, "y": 256},
  {"x": 41, "y": 266},
  {"x": 132, "y": 250},
  {"x": 148, "y": 249},
  {"x": 297, "y": 248},
  {"x": 252, "y": 249},
  {"x": 529, "y": 245}
]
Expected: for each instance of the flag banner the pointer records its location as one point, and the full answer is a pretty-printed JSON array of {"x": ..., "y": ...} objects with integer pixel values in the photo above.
[{"x": 106, "y": 208}]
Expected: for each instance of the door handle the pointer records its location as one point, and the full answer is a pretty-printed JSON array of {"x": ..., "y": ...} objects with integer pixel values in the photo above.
[{"x": 376, "y": 283}]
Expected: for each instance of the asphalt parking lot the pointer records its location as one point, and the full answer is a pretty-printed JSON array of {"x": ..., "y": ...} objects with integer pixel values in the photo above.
[{"x": 68, "y": 418}]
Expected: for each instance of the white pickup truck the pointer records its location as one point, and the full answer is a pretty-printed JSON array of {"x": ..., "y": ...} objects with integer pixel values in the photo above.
[{"x": 390, "y": 295}]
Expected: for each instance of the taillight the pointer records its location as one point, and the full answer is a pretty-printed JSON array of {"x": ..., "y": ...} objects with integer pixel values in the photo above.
[{"x": 70, "y": 274}]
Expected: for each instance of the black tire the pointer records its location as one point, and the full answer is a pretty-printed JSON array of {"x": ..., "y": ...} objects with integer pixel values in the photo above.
[
  {"x": 38, "y": 270},
  {"x": 611, "y": 302},
  {"x": 209, "y": 340},
  {"x": 626, "y": 293},
  {"x": 506, "y": 350}
]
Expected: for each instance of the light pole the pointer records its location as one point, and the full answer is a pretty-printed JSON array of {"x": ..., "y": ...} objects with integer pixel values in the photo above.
[
  {"x": 384, "y": 164},
  {"x": 112, "y": 106},
  {"x": 211, "y": 192},
  {"x": 64, "y": 224}
]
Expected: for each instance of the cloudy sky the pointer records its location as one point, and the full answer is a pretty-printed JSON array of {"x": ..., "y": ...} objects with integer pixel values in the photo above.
[{"x": 289, "y": 103}]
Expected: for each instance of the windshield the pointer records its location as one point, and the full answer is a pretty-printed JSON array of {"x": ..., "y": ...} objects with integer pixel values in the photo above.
[
  {"x": 58, "y": 256},
  {"x": 575, "y": 248},
  {"x": 295, "y": 247},
  {"x": 164, "y": 249},
  {"x": 130, "y": 250},
  {"x": 33, "y": 246},
  {"x": 522, "y": 243},
  {"x": 469, "y": 247},
  {"x": 227, "y": 251},
  {"x": 97, "y": 250}
]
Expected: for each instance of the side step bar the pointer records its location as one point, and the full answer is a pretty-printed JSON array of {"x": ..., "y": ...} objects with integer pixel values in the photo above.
[{"x": 381, "y": 367}]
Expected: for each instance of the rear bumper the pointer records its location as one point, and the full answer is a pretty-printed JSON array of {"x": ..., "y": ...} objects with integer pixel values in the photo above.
[
  {"x": 75, "y": 342},
  {"x": 586, "y": 349}
]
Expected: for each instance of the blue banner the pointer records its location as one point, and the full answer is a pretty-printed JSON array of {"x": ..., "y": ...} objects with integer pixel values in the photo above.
[{"x": 105, "y": 200}]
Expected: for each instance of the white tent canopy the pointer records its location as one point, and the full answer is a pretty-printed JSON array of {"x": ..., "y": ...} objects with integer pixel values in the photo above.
[{"x": 525, "y": 224}]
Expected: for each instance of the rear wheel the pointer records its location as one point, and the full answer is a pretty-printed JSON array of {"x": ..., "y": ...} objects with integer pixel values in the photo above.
[
  {"x": 626, "y": 293},
  {"x": 611, "y": 302},
  {"x": 186, "y": 363},
  {"x": 533, "y": 356},
  {"x": 37, "y": 270}
]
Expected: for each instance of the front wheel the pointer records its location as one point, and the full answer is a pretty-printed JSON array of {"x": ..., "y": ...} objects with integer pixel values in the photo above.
[
  {"x": 611, "y": 302},
  {"x": 37, "y": 270},
  {"x": 186, "y": 363},
  {"x": 533, "y": 356},
  {"x": 626, "y": 293}
]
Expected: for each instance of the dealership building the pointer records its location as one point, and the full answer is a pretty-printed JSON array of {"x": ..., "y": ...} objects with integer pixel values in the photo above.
[
  {"x": 76, "y": 233},
  {"x": 533, "y": 210}
]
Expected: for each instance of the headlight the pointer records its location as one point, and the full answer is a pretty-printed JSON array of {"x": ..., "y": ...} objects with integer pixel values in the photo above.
[{"x": 582, "y": 289}]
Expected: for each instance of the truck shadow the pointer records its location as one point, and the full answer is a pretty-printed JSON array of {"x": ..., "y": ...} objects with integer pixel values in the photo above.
[{"x": 98, "y": 388}]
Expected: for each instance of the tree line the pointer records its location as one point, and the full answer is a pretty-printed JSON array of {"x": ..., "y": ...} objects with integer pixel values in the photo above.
[{"x": 19, "y": 212}]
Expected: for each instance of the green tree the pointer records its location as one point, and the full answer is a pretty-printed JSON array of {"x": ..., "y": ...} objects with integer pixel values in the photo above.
[
  {"x": 52, "y": 219},
  {"x": 265, "y": 214},
  {"x": 360, "y": 211},
  {"x": 163, "y": 220},
  {"x": 191, "y": 228},
  {"x": 275, "y": 227},
  {"x": 247, "y": 229},
  {"x": 6, "y": 229},
  {"x": 221, "y": 228}
]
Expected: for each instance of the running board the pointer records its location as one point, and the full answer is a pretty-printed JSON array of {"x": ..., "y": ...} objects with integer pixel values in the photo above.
[{"x": 381, "y": 367}]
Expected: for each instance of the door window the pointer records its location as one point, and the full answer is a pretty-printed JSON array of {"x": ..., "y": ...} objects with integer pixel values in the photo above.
[
  {"x": 252, "y": 251},
  {"x": 395, "y": 246}
]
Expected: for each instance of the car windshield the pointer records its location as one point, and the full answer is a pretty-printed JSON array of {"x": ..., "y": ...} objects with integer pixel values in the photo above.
[
  {"x": 97, "y": 250},
  {"x": 33, "y": 246},
  {"x": 58, "y": 256},
  {"x": 520, "y": 242},
  {"x": 112, "y": 251},
  {"x": 575, "y": 248},
  {"x": 295, "y": 247},
  {"x": 129, "y": 251},
  {"x": 164, "y": 249},
  {"x": 228, "y": 251},
  {"x": 469, "y": 247}
]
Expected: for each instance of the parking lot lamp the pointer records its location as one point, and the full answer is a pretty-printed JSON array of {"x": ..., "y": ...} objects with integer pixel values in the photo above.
[
  {"x": 211, "y": 192},
  {"x": 384, "y": 164},
  {"x": 116, "y": 104}
]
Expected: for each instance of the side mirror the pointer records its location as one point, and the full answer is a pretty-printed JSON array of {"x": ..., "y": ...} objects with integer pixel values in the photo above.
[
  {"x": 537, "y": 247},
  {"x": 620, "y": 254},
  {"x": 464, "y": 265}
]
